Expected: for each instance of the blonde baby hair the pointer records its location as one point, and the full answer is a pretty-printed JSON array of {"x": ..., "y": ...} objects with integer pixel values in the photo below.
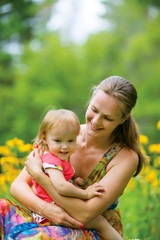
[{"x": 58, "y": 119}]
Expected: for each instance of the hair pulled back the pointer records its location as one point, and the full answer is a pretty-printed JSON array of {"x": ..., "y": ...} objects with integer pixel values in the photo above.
[{"x": 126, "y": 95}]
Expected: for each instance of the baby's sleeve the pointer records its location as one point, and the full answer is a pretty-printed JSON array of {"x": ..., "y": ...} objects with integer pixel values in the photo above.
[{"x": 51, "y": 161}]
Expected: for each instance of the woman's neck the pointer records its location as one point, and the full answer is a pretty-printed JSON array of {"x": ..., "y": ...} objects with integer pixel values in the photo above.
[{"x": 96, "y": 142}]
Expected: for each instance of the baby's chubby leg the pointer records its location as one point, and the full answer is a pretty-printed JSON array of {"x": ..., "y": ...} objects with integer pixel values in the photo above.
[{"x": 104, "y": 229}]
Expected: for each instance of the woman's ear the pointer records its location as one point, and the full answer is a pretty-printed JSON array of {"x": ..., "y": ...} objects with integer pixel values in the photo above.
[{"x": 126, "y": 117}]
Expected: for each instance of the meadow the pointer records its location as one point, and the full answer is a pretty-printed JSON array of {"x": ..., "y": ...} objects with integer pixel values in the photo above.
[{"x": 139, "y": 205}]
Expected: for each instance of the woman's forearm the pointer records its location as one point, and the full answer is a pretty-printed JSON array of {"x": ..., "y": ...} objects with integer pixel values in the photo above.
[
  {"x": 67, "y": 189},
  {"x": 79, "y": 209},
  {"x": 86, "y": 210},
  {"x": 114, "y": 183},
  {"x": 21, "y": 191}
]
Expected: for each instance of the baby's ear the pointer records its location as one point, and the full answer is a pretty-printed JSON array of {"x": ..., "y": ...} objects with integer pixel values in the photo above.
[{"x": 44, "y": 138}]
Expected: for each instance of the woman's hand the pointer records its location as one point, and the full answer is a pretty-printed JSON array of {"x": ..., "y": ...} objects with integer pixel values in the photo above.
[
  {"x": 33, "y": 163},
  {"x": 59, "y": 216}
]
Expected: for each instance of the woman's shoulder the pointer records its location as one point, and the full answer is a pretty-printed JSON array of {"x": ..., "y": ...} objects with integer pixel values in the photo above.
[
  {"x": 128, "y": 156},
  {"x": 125, "y": 157}
]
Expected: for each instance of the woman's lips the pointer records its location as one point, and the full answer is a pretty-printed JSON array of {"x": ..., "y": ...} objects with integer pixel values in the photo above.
[{"x": 95, "y": 128}]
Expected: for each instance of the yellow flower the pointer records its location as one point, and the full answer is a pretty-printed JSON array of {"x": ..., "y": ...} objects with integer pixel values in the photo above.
[
  {"x": 2, "y": 179},
  {"x": 142, "y": 150},
  {"x": 14, "y": 142},
  {"x": 152, "y": 177},
  {"x": 9, "y": 159},
  {"x": 145, "y": 171},
  {"x": 157, "y": 161},
  {"x": 26, "y": 148},
  {"x": 158, "y": 125},
  {"x": 5, "y": 151},
  {"x": 154, "y": 148},
  {"x": 155, "y": 182},
  {"x": 131, "y": 185},
  {"x": 143, "y": 139}
]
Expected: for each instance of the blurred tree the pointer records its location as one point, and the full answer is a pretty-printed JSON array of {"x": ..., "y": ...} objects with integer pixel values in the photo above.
[
  {"x": 18, "y": 22},
  {"x": 48, "y": 76},
  {"x": 49, "y": 73},
  {"x": 138, "y": 49}
]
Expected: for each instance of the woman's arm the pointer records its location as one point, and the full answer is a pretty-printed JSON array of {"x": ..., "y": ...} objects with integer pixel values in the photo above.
[
  {"x": 21, "y": 191},
  {"x": 65, "y": 188},
  {"x": 114, "y": 183}
]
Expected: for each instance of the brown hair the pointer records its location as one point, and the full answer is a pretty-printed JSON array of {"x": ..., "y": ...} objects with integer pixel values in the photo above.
[
  {"x": 61, "y": 119},
  {"x": 126, "y": 95}
]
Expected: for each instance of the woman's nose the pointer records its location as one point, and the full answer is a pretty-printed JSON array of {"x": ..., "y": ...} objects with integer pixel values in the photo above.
[{"x": 96, "y": 120}]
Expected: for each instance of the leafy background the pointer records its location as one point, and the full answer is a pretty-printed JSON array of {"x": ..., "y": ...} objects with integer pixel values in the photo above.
[{"x": 50, "y": 71}]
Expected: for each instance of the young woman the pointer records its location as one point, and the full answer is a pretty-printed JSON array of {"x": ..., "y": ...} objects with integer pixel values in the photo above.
[
  {"x": 56, "y": 139},
  {"x": 108, "y": 152}
]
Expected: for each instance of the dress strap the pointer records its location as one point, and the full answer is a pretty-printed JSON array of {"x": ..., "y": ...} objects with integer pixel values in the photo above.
[
  {"x": 100, "y": 169},
  {"x": 111, "y": 152}
]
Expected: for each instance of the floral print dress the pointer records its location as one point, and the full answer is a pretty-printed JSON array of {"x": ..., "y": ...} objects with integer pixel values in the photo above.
[{"x": 17, "y": 222}]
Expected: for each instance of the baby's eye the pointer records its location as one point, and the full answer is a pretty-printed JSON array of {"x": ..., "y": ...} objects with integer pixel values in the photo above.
[
  {"x": 57, "y": 140},
  {"x": 71, "y": 140}
]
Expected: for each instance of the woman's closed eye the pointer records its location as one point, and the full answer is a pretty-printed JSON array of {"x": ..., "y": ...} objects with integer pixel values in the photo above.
[
  {"x": 105, "y": 116},
  {"x": 108, "y": 119},
  {"x": 94, "y": 110}
]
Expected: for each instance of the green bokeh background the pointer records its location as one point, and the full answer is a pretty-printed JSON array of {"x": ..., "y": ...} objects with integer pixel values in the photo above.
[{"x": 50, "y": 72}]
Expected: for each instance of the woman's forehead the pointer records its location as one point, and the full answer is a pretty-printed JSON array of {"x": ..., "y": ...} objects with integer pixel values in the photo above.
[{"x": 106, "y": 103}]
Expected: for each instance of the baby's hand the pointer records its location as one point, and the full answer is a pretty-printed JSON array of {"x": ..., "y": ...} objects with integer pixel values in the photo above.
[
  {"x": 95, "y": 190},
  {"x": 78, "y": 182}
]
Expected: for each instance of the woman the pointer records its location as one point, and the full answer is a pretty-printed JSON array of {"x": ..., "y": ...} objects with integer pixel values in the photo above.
[{"x": 108, "y": 151}]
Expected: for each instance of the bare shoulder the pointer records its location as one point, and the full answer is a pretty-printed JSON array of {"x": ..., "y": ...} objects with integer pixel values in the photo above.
[
  {"x": 125, "y": 157},
  {"x": 128, "y": 155}
]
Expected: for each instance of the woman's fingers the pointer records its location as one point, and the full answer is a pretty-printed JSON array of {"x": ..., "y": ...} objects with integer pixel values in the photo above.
[
  {"x": 72, "y": 225},
  {"x": 58, "y": 216},
  {"x": 71, "y": 222}
]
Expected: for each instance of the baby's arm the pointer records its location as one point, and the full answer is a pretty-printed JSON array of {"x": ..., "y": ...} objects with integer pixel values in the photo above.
[{"x": 65, "y": 188}]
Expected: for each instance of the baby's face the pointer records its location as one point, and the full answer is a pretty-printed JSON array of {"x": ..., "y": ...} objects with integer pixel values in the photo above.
[{"x": 61, "y": 143}]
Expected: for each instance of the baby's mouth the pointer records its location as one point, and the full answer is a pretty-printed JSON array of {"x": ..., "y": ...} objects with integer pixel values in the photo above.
[{"x": 64, "y": 153}]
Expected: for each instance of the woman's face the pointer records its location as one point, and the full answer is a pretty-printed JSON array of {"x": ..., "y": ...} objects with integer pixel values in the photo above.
[{"x": 103, "y": 115}]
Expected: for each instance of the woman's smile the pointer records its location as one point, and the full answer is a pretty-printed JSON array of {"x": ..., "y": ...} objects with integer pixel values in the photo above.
[{"x": 94, "y": 127}]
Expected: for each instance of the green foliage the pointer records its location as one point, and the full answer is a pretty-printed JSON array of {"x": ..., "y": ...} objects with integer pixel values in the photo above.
[
  {"x": 140, "y": 215},
  {"x": 48, "y": 73}
]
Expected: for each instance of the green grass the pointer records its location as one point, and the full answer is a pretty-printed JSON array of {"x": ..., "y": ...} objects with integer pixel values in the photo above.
[{"x": 140, "y": 214}]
